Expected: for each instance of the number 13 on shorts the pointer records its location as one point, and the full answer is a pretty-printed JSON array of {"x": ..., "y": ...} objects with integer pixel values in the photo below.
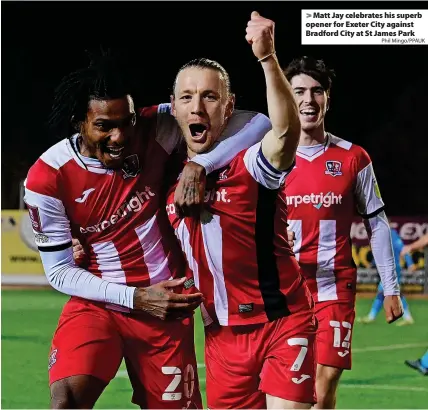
[{"x": 334, "y": 333}]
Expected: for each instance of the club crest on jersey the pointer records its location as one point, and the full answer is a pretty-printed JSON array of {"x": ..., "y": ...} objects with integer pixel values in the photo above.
[
  {"x": 131, "y": 166},
  {"x": 333, "y": 168}
]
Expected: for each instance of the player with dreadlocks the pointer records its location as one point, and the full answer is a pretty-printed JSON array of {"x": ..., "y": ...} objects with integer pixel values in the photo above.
[{"x": 102, "y": 184}]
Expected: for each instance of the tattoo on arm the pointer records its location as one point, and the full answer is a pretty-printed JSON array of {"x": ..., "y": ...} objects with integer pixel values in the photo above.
[
  {"x": 152, "y": 293},
  {"x": 189, "y": 191}
]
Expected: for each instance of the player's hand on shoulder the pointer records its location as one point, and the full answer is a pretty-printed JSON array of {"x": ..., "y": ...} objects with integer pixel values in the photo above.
[
  {"x": 190, "y": 191},
  {"x": 393, "y": 308},
  {"x": 260, "y": 34},
  {"x": 161, "y": 301}
]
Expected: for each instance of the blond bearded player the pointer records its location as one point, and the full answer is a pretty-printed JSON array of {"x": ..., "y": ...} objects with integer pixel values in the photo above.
[{"x": 258, "y": 313}]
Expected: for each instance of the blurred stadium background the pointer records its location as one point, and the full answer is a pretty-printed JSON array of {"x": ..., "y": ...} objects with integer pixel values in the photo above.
[{"x": 378, "y": 101}]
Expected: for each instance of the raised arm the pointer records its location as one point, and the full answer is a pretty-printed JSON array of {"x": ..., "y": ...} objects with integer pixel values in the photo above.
[{"x": 280, "y": 144}]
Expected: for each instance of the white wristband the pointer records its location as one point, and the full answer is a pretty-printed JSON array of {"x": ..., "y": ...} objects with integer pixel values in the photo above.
[{"x": 266, "y": 57}]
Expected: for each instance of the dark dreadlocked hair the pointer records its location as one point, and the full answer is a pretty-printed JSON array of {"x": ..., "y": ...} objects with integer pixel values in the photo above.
[
  {"x": 205, "y": 63},
  {"x": 105, "y": 78},
  {"x": 313, "y": 68}
]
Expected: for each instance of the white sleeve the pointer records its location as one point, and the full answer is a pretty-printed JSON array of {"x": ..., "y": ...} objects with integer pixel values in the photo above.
[
  {"x": 261, "y": 170},
  {"x": 368, "y": 198},
  {"x": 53, "y": 238},
  {"x": 379, "y": 234},
  {"x": 64, "y": 276},
  {"x": 244, "y": 129}
]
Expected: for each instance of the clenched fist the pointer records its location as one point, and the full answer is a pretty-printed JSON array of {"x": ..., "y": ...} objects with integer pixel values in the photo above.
[{"x": 260, "y": 34}]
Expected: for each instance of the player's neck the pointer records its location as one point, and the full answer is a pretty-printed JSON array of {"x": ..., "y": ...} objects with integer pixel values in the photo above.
[
  {"x": 312, "y": 137},
  {"x": 83, "y": 149}
]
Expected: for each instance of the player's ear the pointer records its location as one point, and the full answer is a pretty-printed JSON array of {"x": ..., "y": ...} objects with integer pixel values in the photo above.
[
  {"x": 172, "y": 99},
  {"x": 230, "y": 106},
  {"x": 328, "y": 102}
]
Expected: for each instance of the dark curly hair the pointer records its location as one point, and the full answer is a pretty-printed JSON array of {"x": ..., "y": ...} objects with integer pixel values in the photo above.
[
  {"x": 313, "y": 68},
  {"x": 106, "y": 77}
]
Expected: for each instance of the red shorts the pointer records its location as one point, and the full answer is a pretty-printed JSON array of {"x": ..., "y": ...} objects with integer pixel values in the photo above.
[
  {"x": 244, "y": 363},
  {"x": 160, "y": 356},
  {"x": 334, "y": 334}
]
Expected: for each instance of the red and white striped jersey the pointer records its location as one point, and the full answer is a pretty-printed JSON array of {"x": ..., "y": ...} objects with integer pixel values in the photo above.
[
  {"x": 237, "y": 249},
  {"x": 329, "y": 185},
  {"x": 116, "y": 215}
]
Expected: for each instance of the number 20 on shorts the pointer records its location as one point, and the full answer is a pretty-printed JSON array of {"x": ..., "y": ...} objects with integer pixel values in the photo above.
[{"x": 170, "y": 393}]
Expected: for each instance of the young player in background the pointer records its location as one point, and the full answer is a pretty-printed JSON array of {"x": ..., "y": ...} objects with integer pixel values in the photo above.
[{"x": 332, "y": 180}]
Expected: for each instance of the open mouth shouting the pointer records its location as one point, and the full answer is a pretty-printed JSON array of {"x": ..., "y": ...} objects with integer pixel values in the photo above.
[{"x": 199, "y": 132}]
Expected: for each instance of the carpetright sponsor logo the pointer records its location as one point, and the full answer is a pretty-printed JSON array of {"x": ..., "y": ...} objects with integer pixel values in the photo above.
[
  {"x": 214, "y": 195},
  {"x": 211, "y": 195},
  {"x": 134, "y": 205},
  {"x": 317, "y": 200}
]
